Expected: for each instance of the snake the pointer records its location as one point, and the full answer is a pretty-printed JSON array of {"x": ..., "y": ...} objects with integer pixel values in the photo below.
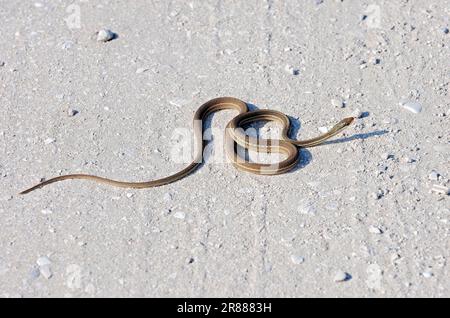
[{"x": 234, "y": 136}]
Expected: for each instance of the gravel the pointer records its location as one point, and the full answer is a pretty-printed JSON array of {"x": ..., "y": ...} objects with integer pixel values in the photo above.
[{"x": 137, "y": 94}]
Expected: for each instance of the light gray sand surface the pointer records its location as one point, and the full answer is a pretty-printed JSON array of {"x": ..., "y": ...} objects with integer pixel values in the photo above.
[{"x": 356, "y": 218}]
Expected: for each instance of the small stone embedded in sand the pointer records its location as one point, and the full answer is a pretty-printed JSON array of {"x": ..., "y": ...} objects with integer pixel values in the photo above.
[
  {"x": 414, "y": 107},
  {"x": 49, "y": 141},
  {"x": 43, "y": 261},
  {"x": 291, "y": 70},
  {"x": 2, "y": 63},
  {"x": 167, "y": 196},
  {"x": 427, "y": 274},
  {"x": 362, "y": 65},
  {"x": 408, "y": 160},
  {"x": 297, "y": 259},
  {"x": 105, "y": 35},
  {"x": 434, "y": 175},
  {"x": 375, "y": 60},
  {"x": 445, "y": 30},
  {"x": 377, "y": 195},
  {"x": 46, "y": 211},
  {"x": 440, "y": 189},
  {"x": 323, "y": 129},
  {"x": 71, "y": 112},
  {"x": 307, "y": 208},
  {"x": 179, "y": 215},
  {"x": 141, "y": 70},
  {"x": 46, "y": 271},
  {"x": 394, "y": 258},
  {"x": 341, "y": 276},
  {"x": 337, "y": 103},
  {"x": 375, "y": 230},
  {"x": 35, "y": 273}
]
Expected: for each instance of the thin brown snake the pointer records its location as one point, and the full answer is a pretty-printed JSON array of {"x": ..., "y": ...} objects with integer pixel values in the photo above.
[{"x": 234, "y": 135}]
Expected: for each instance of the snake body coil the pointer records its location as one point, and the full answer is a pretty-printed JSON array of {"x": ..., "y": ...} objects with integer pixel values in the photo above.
[{"x": 234, "y": 136}]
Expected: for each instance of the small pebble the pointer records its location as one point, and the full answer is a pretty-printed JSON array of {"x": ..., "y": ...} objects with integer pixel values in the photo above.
[
  {"x": 440, "y": 189},
  {"x": 338, "y": 103},
  {"x": 34, "y": 273},
  {"x": 291, "y": 70},
  {"x": 408, "y": 160},
  {"x": 129, "y": 195},
  {"x": 377, "y": 195},
  {"x": 167, "y": 196},
  {"x": 434, "y": 176},
  {"x": 427, "y": 274},
  {"x": 414, "y": 107},
  {"x": 43, "y": 261},
  {"x": 141, "y": 70},
  {"x": 308, "y": 208},
  {"x": 71, "y": 112},
  {"x": 49, "y": 141},
  {"x": 297, "y": 259},
  {"x": 395, "y": 258},
  {"x": 105, "y": 35},
  {"x": 341, "y": 276},
  {"x": 375, "y": 230},
  {"x": 445, "y": 30},
  {"x": 375, "y": 60},
  {"x": 2, "y": 63},
  {"x": 179, "y": 215},
  {"x": 46, "y": 211},
  {"x": 45, "y": 271},
  {"x": 323, "y": 130}
]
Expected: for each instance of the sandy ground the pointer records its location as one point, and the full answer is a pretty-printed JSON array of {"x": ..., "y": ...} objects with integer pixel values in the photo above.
[{"x": 359, "y": 208}]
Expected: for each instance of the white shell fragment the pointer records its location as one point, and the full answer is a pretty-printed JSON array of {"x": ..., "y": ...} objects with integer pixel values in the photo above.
[
  {"x": 49, "y": 141},
  {"x": 414, "y": 107},
  {"x": 323, "y": 130},
  {"x": 179, "y": 215},
  {"x": 440, "y": 189},
  {"x": 46, "y": 211},
  {"x": 43, "y": 261}
]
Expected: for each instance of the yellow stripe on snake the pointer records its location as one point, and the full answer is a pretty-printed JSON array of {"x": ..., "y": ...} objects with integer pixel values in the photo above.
[{"x": 234, "y": 135}]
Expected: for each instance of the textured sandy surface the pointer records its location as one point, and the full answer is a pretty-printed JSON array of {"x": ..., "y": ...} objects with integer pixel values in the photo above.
[{"x": 360, "y": 206}]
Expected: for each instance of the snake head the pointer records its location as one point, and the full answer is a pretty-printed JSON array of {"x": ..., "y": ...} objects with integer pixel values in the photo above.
[
  {"x": 347, "y": 121},
  {"x": 342, "y": 124}
]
